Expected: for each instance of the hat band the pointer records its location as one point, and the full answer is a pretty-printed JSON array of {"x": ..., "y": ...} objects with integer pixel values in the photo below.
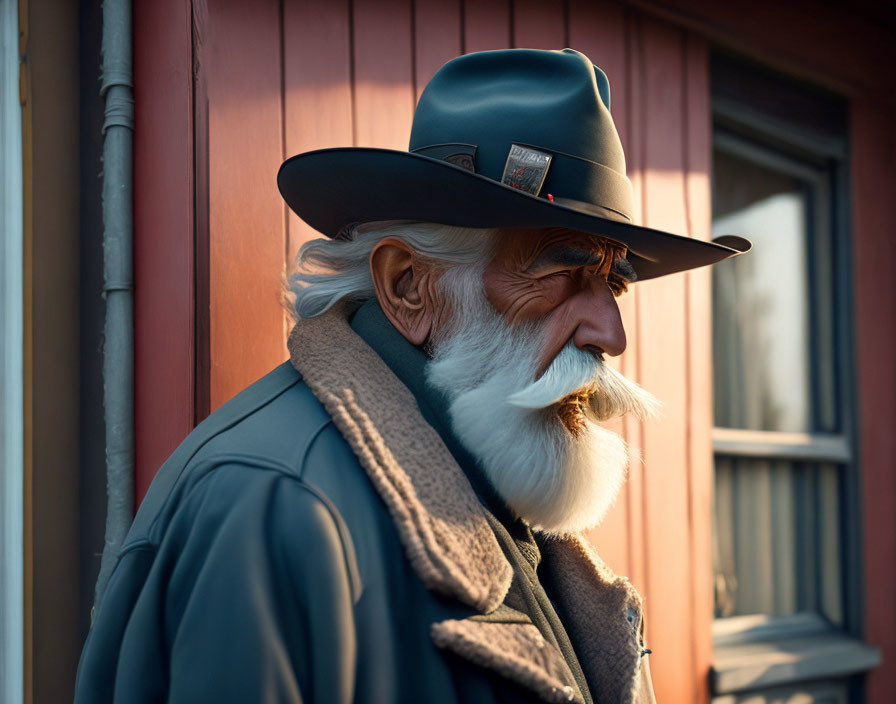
[{"x": 571, "y": 180}]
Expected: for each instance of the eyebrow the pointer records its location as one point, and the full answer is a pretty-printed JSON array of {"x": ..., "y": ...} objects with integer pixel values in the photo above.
[
  {"x": 623, "y": 267},
  {"x": 576, "y": 257},
  {"x": 566, "y": 256}
]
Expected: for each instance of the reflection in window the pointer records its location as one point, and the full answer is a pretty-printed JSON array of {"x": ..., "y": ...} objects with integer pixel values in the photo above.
[
  {"x": 776, "y": 528},
  {"x": 760, "y": 302}
]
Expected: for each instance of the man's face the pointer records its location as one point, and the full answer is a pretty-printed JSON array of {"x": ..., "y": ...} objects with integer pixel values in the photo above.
[
  {"x": 564, "y": 282},
  {"x": 521, "y": 366}
]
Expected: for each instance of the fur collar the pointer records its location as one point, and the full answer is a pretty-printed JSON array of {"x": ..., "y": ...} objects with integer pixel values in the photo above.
[{"x": 447, "y": 538}]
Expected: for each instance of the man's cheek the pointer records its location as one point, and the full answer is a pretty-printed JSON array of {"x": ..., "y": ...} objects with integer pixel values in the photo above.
[
  {"x": 555, "y": 330},
  {"x": 521, "y": 298}
]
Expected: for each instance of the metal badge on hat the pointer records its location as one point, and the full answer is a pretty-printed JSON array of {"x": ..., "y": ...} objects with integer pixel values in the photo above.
[{"x": 526, "y": 169}]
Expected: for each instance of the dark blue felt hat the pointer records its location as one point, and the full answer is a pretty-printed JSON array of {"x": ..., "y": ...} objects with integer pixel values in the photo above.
[{"x": 510, "y": 138}]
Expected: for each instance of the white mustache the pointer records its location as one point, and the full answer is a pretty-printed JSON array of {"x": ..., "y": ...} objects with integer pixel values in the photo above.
[
  {"x": 567, "y": 373},
  {"x": 575, "y": 371}
]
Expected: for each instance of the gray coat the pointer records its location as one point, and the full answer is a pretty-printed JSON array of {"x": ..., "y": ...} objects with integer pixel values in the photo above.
[{"x": 314, "y": 540}]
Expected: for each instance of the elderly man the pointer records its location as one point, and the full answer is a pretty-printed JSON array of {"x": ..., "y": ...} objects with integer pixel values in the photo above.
[{"x": 395, "y": 514}]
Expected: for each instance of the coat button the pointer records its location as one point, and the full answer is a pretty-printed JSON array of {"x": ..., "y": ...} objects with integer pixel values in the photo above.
[{"x": 569, "y": 693}]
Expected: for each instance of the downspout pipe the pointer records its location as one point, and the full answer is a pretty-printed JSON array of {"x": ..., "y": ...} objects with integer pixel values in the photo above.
[{"x": 118, "y": 281}]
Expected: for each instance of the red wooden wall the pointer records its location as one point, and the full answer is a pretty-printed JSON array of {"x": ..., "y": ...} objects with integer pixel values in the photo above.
[
  {"x": 164, "y": 310},
  {"x": 270, "y": 79}
]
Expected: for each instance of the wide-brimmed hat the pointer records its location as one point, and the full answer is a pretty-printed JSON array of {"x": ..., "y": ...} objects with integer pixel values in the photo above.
[{"x": 511, "y": 138}]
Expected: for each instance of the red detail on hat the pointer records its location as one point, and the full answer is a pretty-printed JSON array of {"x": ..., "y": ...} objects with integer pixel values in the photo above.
[{"x": 550, "y": 198}]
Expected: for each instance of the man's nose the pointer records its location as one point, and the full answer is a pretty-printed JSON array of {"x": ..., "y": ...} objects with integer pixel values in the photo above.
[{"x": 599, "y": 328}]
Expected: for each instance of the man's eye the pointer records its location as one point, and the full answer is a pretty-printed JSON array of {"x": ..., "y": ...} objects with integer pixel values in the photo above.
[{"x": 566, "y": 273}]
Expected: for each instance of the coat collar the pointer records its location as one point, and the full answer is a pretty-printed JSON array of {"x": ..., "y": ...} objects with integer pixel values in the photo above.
[
  {"x": 408, "y": 363},
  {"x": 442, "y": 524},
  {"x": 446, "y": 535}
]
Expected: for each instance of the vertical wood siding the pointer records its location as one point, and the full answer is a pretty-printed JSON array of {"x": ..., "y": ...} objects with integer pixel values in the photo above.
[
  {"x": 317, "y": 84},
  {"x": 874, "y": 183},
  {"x": 164, "y": 324},
  {"x": 274, "y": 79},
  {"x": 241, "y": 62},
  {"x": 696, "y": 167}
]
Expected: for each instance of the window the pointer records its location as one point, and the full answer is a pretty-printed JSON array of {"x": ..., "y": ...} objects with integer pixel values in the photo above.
[{"x": 785, "y": 548}]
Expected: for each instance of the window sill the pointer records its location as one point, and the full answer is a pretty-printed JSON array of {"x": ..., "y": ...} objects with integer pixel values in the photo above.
[{"x": 754, "y": 652}]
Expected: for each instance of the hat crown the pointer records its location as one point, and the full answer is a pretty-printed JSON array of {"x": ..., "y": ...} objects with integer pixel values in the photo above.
[{"x": 555, "y": 101}]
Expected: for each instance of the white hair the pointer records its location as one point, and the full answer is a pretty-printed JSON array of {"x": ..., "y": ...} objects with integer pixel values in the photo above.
[{"x": 329, "y": 271}]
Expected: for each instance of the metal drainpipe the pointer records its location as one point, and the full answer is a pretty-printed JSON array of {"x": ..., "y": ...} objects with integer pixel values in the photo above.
[{"x": 118, "y": 286}]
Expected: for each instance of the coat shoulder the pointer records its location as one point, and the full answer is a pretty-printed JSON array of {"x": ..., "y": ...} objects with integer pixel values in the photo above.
[
  {"x": 224, "y": 593},
  {"x": 271, "y": 426},
  {"x": 230, "y": 523}
]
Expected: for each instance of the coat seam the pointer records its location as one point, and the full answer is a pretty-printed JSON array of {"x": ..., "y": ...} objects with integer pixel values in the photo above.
[
  {"x": 311, "y": 440},
  {"x": 206, "y": 441},
  {"x": 207, "y": 467}
]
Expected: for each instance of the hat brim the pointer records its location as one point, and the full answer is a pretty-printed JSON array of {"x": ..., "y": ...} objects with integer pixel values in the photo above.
[{"x": 331, "y": 189}]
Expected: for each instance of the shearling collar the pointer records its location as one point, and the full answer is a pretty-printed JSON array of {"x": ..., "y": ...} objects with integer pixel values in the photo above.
[
  {"x": 447, "y": 538},
  {"x": 408, "y": 363}
]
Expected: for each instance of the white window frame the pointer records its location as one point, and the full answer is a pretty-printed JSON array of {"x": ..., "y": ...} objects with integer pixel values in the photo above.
[{"x": 11, "y": 361}]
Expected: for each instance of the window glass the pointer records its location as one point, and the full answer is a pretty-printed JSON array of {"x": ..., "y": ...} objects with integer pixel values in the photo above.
[
  {"x": 777, "y": 545},
  {"x": 760, "y": 302}
]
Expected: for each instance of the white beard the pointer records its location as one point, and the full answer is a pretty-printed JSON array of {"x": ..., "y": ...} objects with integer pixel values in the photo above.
[{"x": 557, "y": 480}]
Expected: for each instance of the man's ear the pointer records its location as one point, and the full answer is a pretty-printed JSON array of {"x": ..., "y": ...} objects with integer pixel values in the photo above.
[{"x": 404, "y": 288}]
